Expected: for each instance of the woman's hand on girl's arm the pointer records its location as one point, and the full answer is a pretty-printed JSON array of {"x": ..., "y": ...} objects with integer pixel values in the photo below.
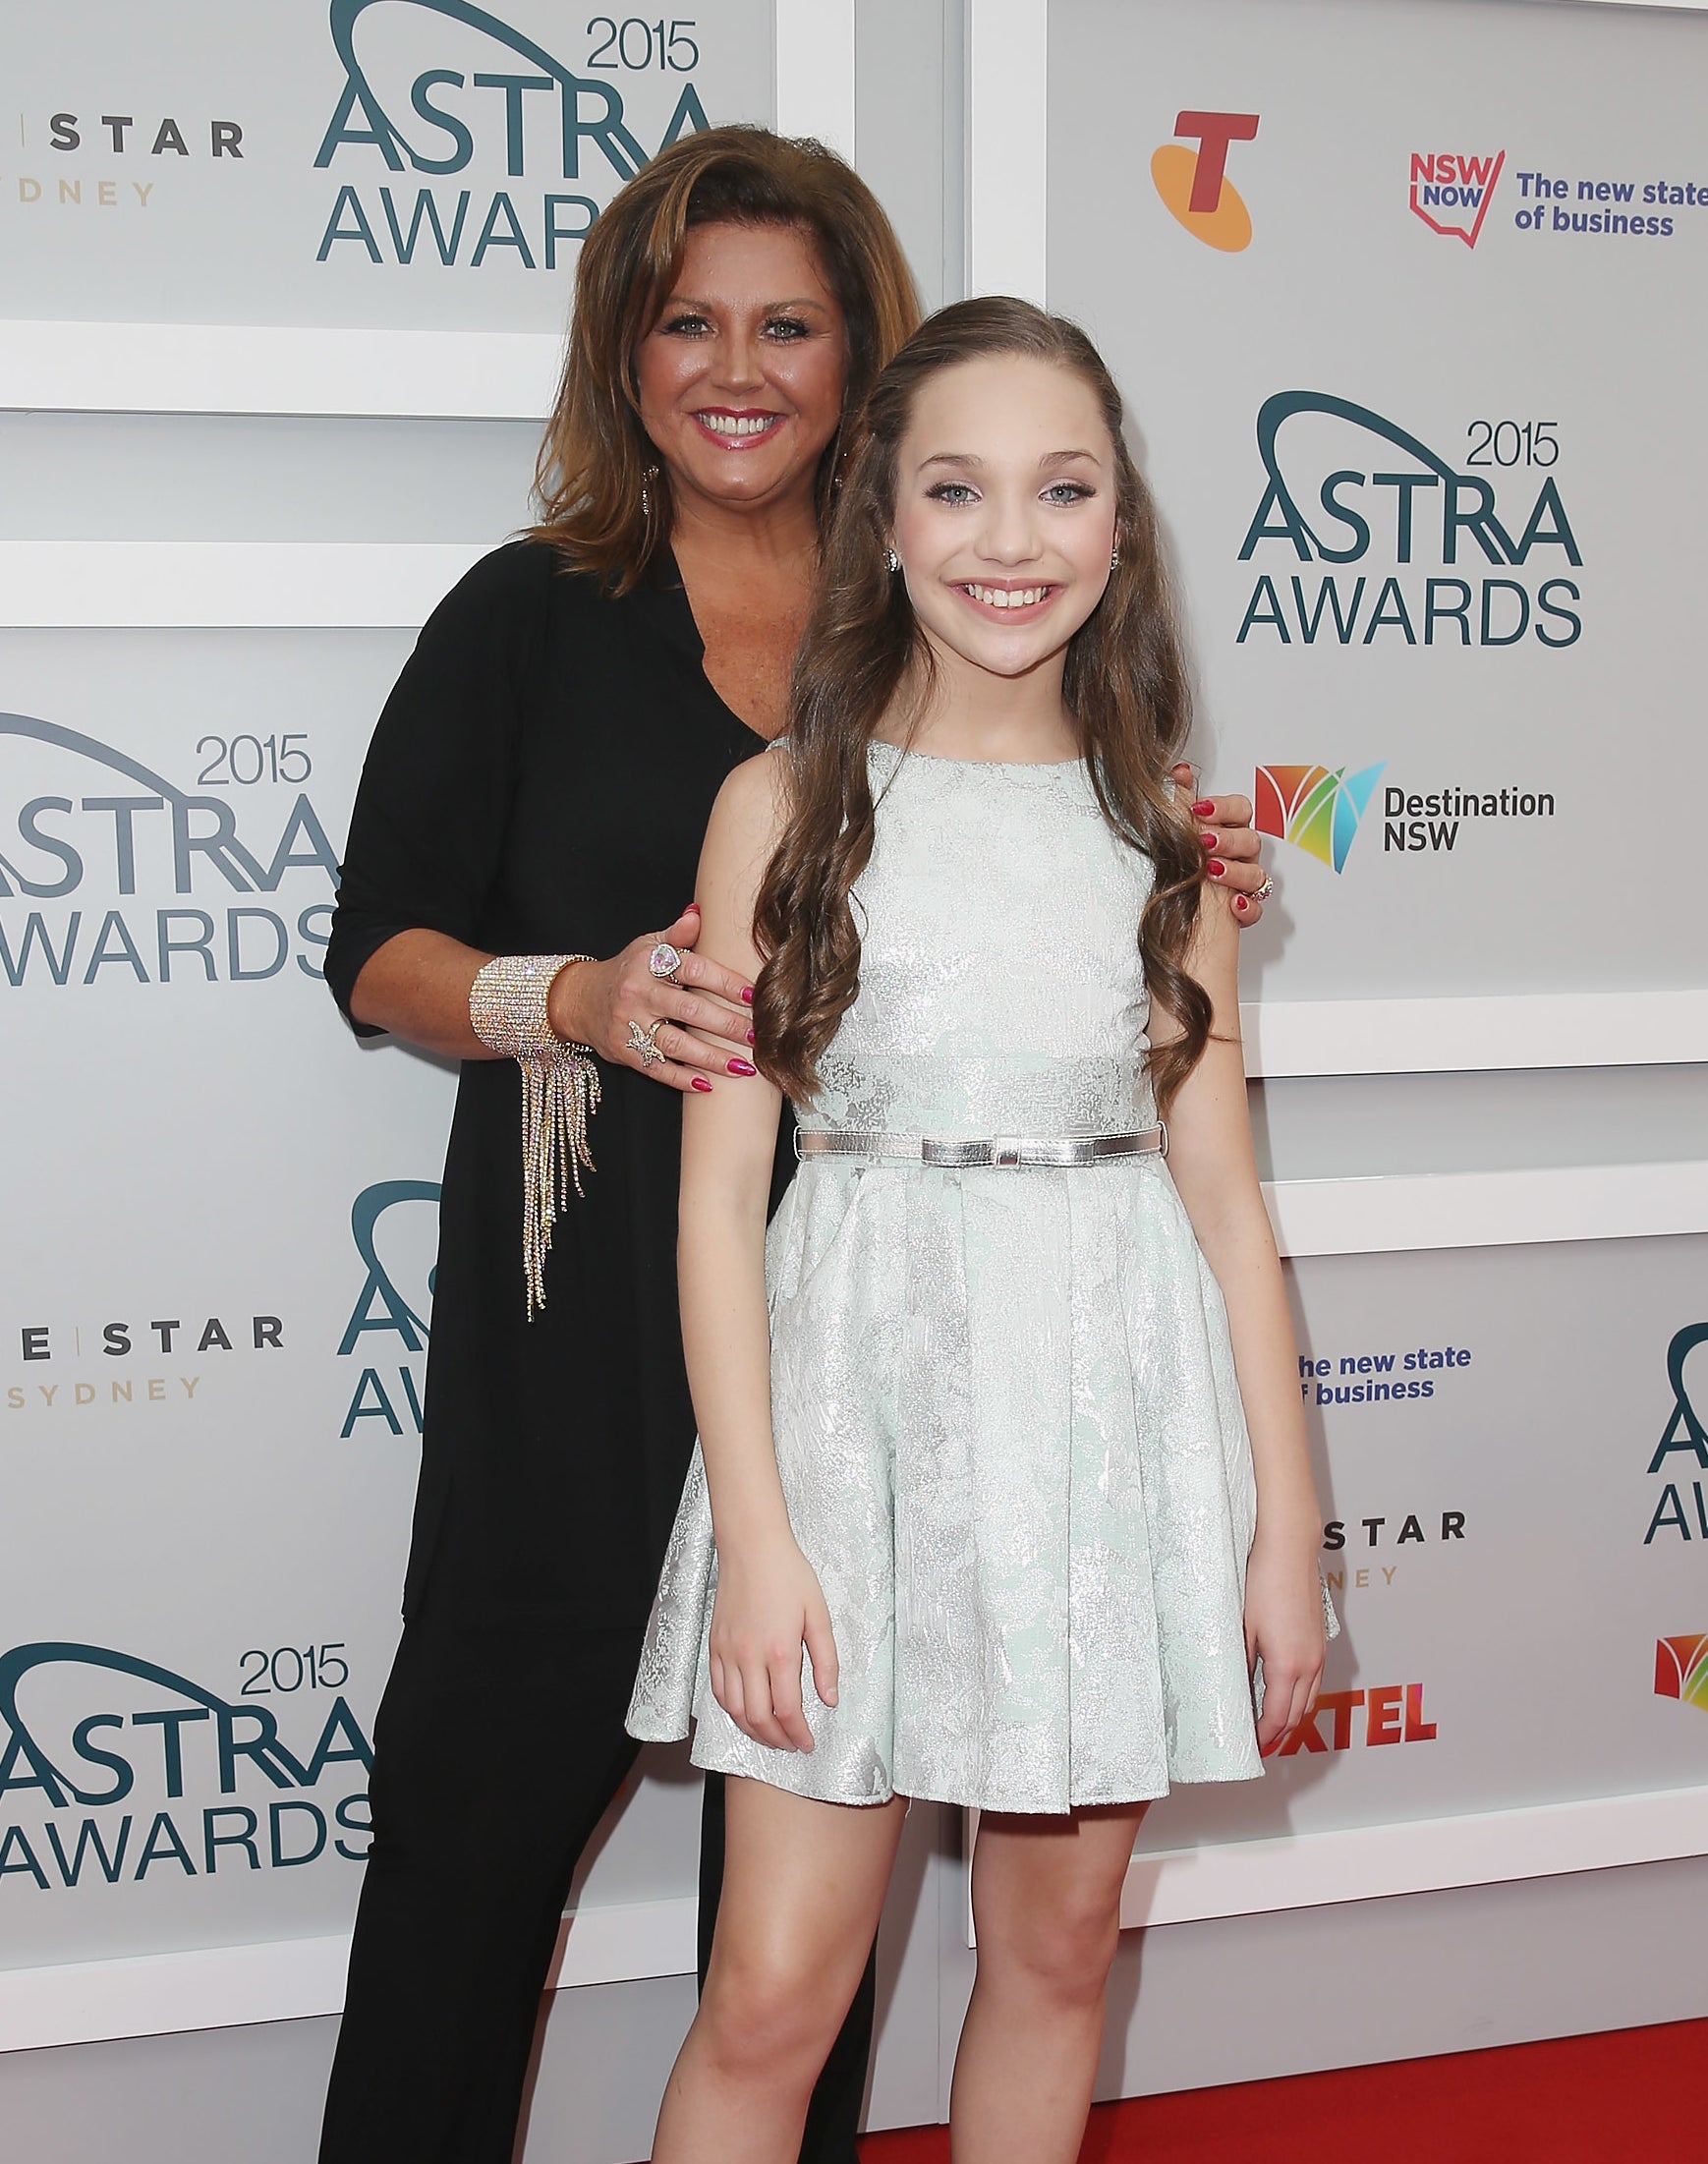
[
  {"x": 705, "y": 1007},
  {"x": 1234, "y": 851},
  {"x": 768, "y": 1603},
  {"x": 1210, "y": 1157}
]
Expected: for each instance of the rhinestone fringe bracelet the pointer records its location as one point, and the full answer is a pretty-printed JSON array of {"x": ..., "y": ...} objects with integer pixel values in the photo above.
[{"x": 560, "y": 1092}]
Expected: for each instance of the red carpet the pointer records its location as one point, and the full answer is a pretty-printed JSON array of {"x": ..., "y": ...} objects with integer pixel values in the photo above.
[{"x": 1632, "y": 2096}]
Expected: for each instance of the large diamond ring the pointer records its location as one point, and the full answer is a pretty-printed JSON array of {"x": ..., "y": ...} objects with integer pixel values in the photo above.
[
  {"x": 1265, "y": 890},
  {"x": 641, "y": 1040},
  {"x": 663, "y": 961}
]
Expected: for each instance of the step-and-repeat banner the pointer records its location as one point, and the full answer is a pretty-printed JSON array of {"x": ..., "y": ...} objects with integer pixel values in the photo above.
[
  {"x": 1410, "y": 325},
  {"x": 1409, "y": 307},
  {"x": 417, "y": 163},
  {"x": 1408, "y": 298},
  {"x": 221, "y": 1220}
]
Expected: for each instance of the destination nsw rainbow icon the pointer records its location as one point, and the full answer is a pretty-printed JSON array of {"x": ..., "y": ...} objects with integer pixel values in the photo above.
[
  {"x": 1317, "y": 810},
  {"x": 1681, "y": 1668}
]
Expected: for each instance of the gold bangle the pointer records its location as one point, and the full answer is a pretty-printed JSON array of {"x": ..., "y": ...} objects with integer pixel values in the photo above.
[{"x": 560, "y": 1091}]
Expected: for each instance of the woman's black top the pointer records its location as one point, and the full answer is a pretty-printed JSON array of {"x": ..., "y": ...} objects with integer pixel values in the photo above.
[{"x": 539, "y": 783}]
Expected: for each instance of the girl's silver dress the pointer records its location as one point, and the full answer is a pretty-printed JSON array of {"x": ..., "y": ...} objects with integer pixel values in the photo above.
[{"x": 1004, "y": 1400}]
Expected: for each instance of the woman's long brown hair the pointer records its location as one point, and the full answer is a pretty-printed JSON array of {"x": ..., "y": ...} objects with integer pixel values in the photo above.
[
  {"x": 605, "y": 502},
  {"x": 1124, "y": 684}
]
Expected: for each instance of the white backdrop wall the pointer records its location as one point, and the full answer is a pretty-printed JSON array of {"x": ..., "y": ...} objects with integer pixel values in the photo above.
[{"x": 217, "y": 1289}]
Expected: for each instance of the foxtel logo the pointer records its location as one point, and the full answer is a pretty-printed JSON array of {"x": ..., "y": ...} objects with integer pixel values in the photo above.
[
  {"x": 1392, "y": 1714},
  {"x": 1445, "y": 180}
]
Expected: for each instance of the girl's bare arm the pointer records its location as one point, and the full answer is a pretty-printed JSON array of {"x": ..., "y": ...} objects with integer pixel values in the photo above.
[
  {"x": 768, "y": 1603},
  {"x": 1210, "y": 1156}
]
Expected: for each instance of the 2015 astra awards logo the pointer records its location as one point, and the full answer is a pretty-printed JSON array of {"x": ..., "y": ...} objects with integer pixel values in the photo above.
[
  {"x": 550, "y": 124},
  {"x": 388, "y": 1329},
  {"x": 1434, "y": 547},
  {"x": 105, "y": 870},
  {"x": 116, "y": 1770},
  {"x": 1679, "y": 1511}
]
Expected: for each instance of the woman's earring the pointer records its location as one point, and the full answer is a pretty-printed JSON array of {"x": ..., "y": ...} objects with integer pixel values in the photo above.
[
  {"x": 891, "y": 561},
  {"x": 650, "y": 473},
  {"x": 1115, "y": 557}
]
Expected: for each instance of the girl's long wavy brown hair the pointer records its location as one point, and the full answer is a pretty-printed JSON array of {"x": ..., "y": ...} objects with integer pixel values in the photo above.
[
  {"x": 605, "y": 502},
  {"x": 1124, "y": 684}
]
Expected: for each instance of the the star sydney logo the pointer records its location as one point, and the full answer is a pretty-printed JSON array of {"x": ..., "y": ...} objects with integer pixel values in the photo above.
[
  {"x": 1316, "y": 808},
  {"x": 1681, "y": 1668}
]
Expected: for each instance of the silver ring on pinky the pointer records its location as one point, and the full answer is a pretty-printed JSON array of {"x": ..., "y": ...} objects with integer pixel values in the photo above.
[
  {"x": 663, "y": 961},
  {"x": 1263, "y": 893},
  {"x": 642, "y": 1040}
]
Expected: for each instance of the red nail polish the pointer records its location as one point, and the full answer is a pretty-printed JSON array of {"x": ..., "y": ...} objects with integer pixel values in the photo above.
[
  {"x": 750, "y": 1037},
  {"x": 1204, "y": 807},
  {"x": 1216, "y": 868},
  {"x": 1210, "y": 841},
  {"x": 692, "y": 910},
  {"x": 698, "y": 1082},
  {"x": 1240, "y": 902},
  {"x": 747, "y": 993},
  {"x": 741, "y": 1066}
]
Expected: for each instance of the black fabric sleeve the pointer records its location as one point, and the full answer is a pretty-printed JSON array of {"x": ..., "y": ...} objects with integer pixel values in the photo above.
[{"x": 426, "y": 833}]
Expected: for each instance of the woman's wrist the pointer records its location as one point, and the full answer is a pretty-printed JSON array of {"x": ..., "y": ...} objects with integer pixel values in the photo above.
[{"x": 563, "y": 1000}]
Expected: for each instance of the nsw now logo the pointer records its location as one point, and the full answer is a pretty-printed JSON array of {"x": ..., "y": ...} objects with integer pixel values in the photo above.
[{"x": 1451, "y": 192}]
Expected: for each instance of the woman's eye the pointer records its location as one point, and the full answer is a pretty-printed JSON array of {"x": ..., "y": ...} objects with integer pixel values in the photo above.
[
  {"x": 950, "y": 491},
  {"x": 785, "y": 328},
  {"x": 684, "y": 327},
  {"x": 1067, "y": 491}
]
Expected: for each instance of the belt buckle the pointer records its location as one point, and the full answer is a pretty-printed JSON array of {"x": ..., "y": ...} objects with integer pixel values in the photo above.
[{"x": 1005, "y": 1149}]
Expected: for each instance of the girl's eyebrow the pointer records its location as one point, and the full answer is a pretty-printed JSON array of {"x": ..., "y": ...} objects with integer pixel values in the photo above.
[{"x": 967, "y": 458}]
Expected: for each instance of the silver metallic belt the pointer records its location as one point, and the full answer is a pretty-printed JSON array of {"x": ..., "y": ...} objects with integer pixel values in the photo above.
[{"x": 992, "y": 1150}]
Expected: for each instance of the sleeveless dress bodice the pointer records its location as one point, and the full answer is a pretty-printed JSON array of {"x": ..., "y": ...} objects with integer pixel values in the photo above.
[{"x": 1003, "y": 1400}]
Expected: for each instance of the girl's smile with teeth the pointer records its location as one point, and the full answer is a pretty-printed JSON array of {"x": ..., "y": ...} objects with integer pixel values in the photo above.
[{"x": 1006, "y": 597}]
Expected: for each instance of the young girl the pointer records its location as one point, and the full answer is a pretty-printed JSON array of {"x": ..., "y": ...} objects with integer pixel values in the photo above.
[{"x": 972, "y": 1436}]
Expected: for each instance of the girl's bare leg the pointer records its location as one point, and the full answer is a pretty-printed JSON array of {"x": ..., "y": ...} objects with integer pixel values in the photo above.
[
  {"x": 1047, "y": 1905},
  {"x": 803, "y": 1885}
]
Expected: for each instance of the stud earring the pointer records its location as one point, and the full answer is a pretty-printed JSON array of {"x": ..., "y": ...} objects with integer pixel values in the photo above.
[{"x": 891, "y": 561}]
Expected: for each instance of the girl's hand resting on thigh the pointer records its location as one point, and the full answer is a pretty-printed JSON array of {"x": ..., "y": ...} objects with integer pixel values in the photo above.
[
  {"x": 1283, "y": 1627},
  {"x": 768, "y": 1606}
]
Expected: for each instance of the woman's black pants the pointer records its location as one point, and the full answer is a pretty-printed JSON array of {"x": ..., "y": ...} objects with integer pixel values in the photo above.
[{"x": 497, "y": 1752}]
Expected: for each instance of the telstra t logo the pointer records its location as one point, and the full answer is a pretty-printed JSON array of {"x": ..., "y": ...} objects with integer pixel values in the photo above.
[{"x": 1194, "y": 183}]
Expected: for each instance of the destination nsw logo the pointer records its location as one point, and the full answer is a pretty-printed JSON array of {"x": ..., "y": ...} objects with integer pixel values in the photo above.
[
  {"x": 114, "y": 1769},
  {"x": 106, "y": 865},
  {"x": 512, "y": 111},
  {"x": 387, "y": 1328},
  {"x": 1319, "y": 809},
  {"x": 1434, "y": 548},
  {"x": 1681, "y": 1668}
]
